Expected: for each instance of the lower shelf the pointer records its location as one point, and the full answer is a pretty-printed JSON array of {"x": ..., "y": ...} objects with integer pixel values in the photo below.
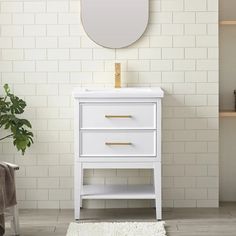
[{"x": 118, "y": 192}]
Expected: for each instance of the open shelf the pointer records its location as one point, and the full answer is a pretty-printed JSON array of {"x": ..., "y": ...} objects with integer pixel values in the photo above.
[
  {"x": 118, "y": 192},
  {"x": 228, "y": 22},
  {"x": 227, "y": 113}
]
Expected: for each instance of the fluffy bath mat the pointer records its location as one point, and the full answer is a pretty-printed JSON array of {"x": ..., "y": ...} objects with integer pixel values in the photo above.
[{"x": 117, "y": 229}]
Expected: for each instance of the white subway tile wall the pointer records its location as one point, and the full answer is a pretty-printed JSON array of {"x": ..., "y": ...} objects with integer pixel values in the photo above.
[{"x": 45, "y": 53}]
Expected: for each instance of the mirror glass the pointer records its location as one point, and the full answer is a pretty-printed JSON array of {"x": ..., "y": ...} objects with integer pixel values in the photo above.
[{"x": 114, "y": 23}]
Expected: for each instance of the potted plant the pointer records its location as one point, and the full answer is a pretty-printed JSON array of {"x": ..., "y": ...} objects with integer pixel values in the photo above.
[{"x": 11, "y": 107}]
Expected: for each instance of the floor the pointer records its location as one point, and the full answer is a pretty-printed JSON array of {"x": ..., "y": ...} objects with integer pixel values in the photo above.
[{"x": 179, "y": 222}]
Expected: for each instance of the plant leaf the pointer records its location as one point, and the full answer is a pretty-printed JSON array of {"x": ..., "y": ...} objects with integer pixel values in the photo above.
[{"x": 6, "y": 88}]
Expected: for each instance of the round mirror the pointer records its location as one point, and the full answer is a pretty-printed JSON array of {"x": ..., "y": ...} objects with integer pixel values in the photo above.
[{"x": 114, "y": 23}]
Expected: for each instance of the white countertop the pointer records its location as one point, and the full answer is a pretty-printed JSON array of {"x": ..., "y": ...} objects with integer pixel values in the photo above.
[{"x": 132, "y": 92}]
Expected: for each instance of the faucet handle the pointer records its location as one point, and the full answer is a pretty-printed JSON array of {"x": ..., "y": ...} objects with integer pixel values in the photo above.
[{"x": 117, "y": 75}]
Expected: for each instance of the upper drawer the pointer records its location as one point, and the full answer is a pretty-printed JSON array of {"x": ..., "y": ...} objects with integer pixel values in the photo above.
[{"x": 118, "y": 115}]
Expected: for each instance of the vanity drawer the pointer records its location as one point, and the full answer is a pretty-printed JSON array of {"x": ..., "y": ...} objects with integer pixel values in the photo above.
[
  {"x": 118, "y": 115},
  {"x": 118, "y": 143}
]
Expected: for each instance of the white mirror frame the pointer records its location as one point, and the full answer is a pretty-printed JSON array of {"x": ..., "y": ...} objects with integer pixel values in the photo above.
[{"x": 114, "y": 23}]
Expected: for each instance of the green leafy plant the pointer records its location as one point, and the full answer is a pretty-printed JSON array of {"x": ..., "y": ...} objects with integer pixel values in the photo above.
[{"x": 10, "y": 107}]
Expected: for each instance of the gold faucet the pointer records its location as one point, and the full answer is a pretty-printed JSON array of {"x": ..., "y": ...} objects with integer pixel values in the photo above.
[{"x": 117, "y": 75}]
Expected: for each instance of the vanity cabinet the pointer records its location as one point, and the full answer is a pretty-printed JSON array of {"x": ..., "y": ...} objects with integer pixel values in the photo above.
[{"x": 117, "y": 129}]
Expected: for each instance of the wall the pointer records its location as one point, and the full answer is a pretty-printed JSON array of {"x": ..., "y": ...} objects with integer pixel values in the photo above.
[
  {"x": 227, "y": 159},
  {"x": 227, "y": 86},
  {"x": 45, "y": 54},
  {"x": 227, "y": 36}
]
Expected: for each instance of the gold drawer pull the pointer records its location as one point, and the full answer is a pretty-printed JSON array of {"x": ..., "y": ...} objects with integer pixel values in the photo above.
[
  {"x": 118, "y": 144},
  {"x": 112, "y": 116}
]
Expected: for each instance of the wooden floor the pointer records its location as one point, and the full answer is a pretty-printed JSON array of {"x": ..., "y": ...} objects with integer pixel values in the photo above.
[{"x": 179, "y": 222}]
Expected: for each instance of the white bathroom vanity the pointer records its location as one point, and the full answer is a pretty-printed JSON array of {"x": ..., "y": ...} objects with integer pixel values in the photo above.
[{"x": 117, "y": 129}]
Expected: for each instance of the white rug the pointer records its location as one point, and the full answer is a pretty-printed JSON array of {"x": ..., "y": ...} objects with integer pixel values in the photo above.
[{"x": 117, "y": 229}]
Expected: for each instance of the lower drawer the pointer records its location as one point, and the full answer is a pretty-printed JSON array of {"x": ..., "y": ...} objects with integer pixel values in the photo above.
[{"x": 118, "y": 143}]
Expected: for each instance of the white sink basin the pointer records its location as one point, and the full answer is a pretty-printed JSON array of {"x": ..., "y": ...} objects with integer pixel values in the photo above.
[{"x": 118, "y": 92}]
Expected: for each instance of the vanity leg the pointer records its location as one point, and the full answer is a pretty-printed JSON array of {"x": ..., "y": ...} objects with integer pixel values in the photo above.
[
  {"x": 78, "y": 188},
  {"x": 157, "y": 186},
  {"x": 82, "y": 182}
]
